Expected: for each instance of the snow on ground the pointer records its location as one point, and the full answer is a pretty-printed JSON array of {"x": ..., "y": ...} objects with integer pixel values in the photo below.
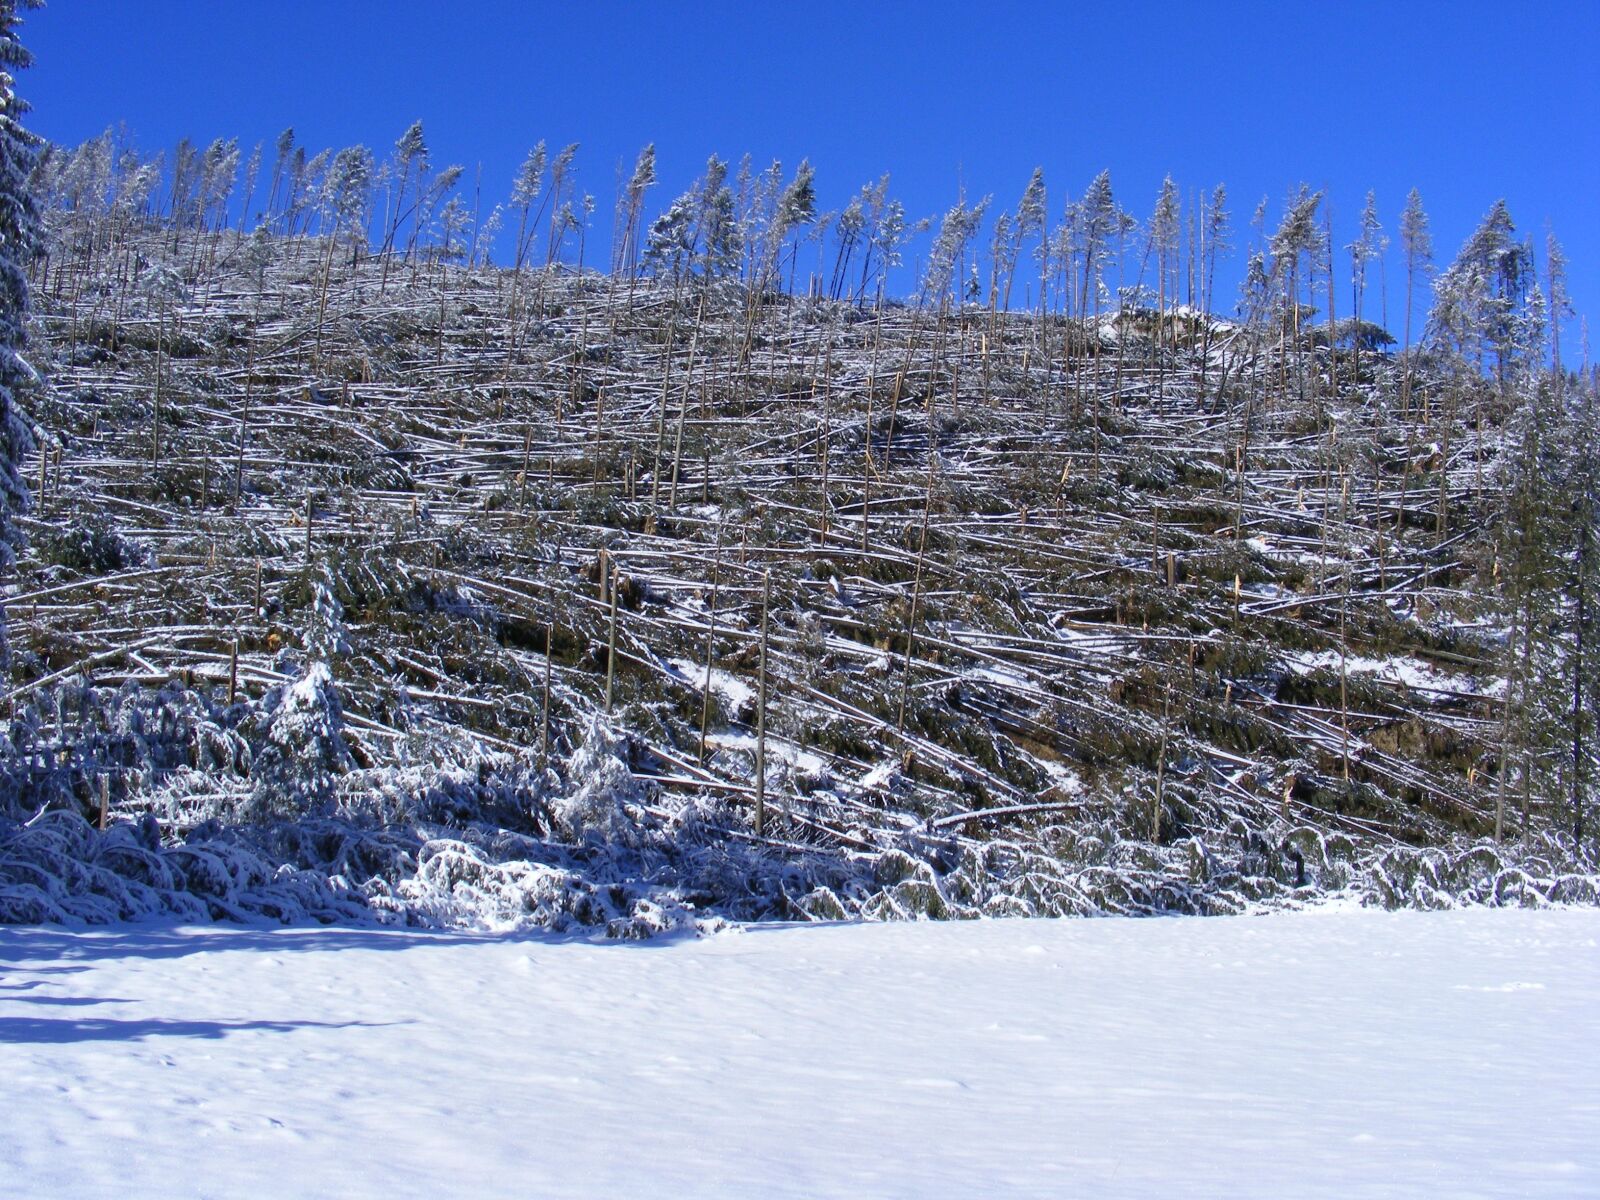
[
  {"x": 1338, "y": 1053},
  {"x": 1405, "y": 669},
  {"x": 737, "y": 692},
  {"x": 802, "y": 761}
]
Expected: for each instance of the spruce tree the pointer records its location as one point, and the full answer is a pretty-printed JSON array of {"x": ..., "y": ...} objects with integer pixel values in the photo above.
[
  {"x": 888, "y": 237},
  {"x": 1098, "y": 224},
  {"x": 1163, "y": 233},
  {"x": 19, "y": 233},
  {"x": 796, "y": 207},
  {"x": 1030, "y": 223},
  {"x": 1365, "y": 249},
  {"x": 1214, "y": 235},
  {"x": 848, "y": 227},
  {"x": 641, "y": 181},
  {"x": 1417, "y": 241},
  {"x": 949, "y": 248},
  {"x": 1296, "y": 247},
  {"x": 280, "y": 166},
  {"x": 1560, "y": 299},
  {"x": 407, "y": 169},
  {"x": 699, "y": 228}
]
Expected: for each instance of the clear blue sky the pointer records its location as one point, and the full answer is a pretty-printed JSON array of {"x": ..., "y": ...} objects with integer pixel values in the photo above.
[{"x": 1468, "y": 101}]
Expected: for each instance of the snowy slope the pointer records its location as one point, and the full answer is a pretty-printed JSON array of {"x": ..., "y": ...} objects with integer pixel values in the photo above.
[{"x": 1334, "y": 1053}]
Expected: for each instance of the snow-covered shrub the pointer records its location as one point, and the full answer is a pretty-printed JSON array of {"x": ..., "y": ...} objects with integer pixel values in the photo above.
[
  {"x": 603, "y": 800},
  {"x": 324, "y": 627},
  {"x": 456, "y": 884},
  {"x": 301, "y": 747},
  {"x": 89, "y": 545}
]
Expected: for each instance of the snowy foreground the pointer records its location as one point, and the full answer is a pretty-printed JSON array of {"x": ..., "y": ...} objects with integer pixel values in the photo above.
[{"x": 1334, "y": 1053}]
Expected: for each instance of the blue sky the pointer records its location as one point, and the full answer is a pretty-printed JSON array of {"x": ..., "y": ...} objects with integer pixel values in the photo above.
[{"x": 1467, "y": 101}]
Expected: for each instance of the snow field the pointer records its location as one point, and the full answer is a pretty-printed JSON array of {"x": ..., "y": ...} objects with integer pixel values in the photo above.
[{"x": 1335, "y": 1052}]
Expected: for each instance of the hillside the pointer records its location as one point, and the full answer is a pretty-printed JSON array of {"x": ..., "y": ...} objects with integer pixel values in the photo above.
[{"x": 381, "y": 587}]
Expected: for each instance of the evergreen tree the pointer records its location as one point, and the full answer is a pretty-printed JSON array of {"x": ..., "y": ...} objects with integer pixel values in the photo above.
[
  {"x": 1560, "y": 299},
  {"x": 667, "y": 247},
  {"x": 1479, "y": 299},
  {"x": 252, "y": 172},
  {"x": 848, "y": 228},
  {"x": 642, "y": 179},
  {"x": 717, "y": 232},
  {"x": 698, "y": 229},
  {"x": 19, "y": 239},
  {"x": 1584, "y": 675},
  {"x": 308, "y": 175},
  {"x": 185, "y": 178},
  {"x": 1296, "y": 248},
  {"x": 524, "y": 191},
  {"x": 219, "y": 168},
  {"x": 1214, "y": 234},
  {"x": 345, "y": 191},
  {"x": 949, "y": 248},
  {"x": 1163, "y": 231},
  {"x": 1531, "y": 539},
  {"x": 1297, "y": 239},
  {"x": 797, "y": 206},
  {"x": 294, "y": 186},
  {"x": 889, "y": 235},
  {"x": 408, "y": 166},
  {"x": 1099, "y": 222},
  {"x": 1030, "y": 223},
  {"x": 343, "y": 196},
  {"x": 1417, "y": 242},
  {"x": 1365, "y": 249},
  {"x": 561, "y": 183},
  {"x": 280, "y": 169}
]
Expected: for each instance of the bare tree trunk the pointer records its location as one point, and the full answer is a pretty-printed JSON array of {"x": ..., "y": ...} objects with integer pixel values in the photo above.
[
  {"x": 611, "y": 636},
  {"x": 761, "y": 709},
  {"x": 711, "y": 637}
]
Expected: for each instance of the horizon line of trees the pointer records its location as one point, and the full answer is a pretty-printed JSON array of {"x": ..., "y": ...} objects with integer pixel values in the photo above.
[{"x": 1495, "y": 305}]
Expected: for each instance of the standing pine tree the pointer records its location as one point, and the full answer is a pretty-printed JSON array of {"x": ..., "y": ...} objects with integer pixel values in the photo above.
[
  {"x": 1098, "y": 223},
  {"x": 19, "y": 227},
  {"x": 1417, "y": 240},
  {"x": 699, "y": 228},
  {"x": 1165, "y": 225},
  {"x": 1030, "y": 223},
  {"x": 1366, "y": 248}
]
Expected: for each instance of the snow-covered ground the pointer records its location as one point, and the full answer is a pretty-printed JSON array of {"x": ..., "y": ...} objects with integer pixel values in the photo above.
[{"x": 1336, "y": 1053}]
